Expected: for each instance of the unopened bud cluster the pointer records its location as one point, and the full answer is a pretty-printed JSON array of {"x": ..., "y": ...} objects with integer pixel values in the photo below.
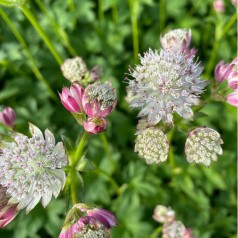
[
  {"x": 203, "y": 145},
  {"x": 89, "y": 105},
  {"x": 152, "y": 145},
  {"x": 8, "y": 117}
]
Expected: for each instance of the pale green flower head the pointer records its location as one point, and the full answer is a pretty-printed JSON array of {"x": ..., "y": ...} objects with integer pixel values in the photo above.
[
  {"x": 203, "y": 145},
  {"x": 31, "y": 168},
  {"x": 152, "y": 145}
]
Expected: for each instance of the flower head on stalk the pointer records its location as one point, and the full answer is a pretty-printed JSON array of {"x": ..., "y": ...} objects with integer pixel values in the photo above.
[
  {"x": 8, "y": 116},
  {"x": 7, "y": 211},
  {"x": 99, "y": 99},
  {"x": 74, "y": 69},
  {"x": 202, "y": 146},
  {"x": 152, "y": 145},
  {"x": 31, "y": 168},
  {"x": 84, "y": 222},
  {"x": 165, "y": 83},
  {"x": 71, "y": 98}
]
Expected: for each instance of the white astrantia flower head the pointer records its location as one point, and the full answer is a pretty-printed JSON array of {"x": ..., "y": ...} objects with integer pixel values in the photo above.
[
  {"x": 202, "y": 146},
  {"x": 165, "y": 83},
  {"x": 30, "y": 168},
  {"x": 152, "y": 145},
  {"x": 174, "y": 229}
]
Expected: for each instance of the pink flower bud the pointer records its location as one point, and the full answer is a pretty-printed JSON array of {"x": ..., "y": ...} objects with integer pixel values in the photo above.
[
  {"x": 8, "y": 117},
  {"x": 224, "y": 71},
  {"x": 7, "y": 212},
  {"x": 99, "y": 100},
  {"x": 233, "y": 82},
  {"x": 218, "y": 6},
  {"x": 95, "y": 125},
  {"x": 232, "y": 98},
  {"x": 71, "y": 98},
  {"x": 95, "y": 73},
  {"x": 177, "y": 40},
  {"x": 234, "y": 3},
  {"x": 188, "y": 233}
]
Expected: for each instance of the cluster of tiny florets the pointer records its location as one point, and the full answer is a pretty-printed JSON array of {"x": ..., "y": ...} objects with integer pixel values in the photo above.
[
  {"x": 30, "y": 168},
  {"x": 152, "y": 145},
  {"x": 203, "y": 145},
  {"x": 104, "y": 93},
  {"x": 74, "y": 69},
  {"x": 165, "y": 83},
  {"x": 90, "y": 232},
  {"x": 174, "y": 229}
]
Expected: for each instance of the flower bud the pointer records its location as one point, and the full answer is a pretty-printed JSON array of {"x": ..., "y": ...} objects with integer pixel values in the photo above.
[
  {"x": 74, "y": 69},
  {"x": 71, "y": 98},
  {"x": 152, "y": 145},
  {"x": 202, "y": 146},
  {"x": 95, "y": 73},
  {"x": 174, "y": 229},
  {"x": 7, "y": 211},
  {"x": 188, "y": 233},
  {"x": 178, "y": 40},
  {"x": 8, "y": 116},
  {"x": 225, "y": 71},
  {"x": 218, "y": 6},
  {"x": 163, "y": 214},
  {"x": 232, "y": 98},
  {"x": 95, "y": 125},
  {"x": 99, "y": 100}
]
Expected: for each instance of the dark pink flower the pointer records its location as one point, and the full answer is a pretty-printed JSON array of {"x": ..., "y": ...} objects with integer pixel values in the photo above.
[
  {"x": 8, "y": 116},
  {"x": 7, "y": 211},
  {"x": 99, "y": 100},
  {"x": 95, "y": 125},
  {"x": 71, "y": 98}
]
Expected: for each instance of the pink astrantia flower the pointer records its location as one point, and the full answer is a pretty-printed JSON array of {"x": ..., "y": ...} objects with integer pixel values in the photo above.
[
  {"x": 84, "y": 222},
  {"x": 218, "y": 6},
  {"x": 7, "y": 211},
  {"x": 8, "y": 116},
  {"x": 99, "y": 100},
  {"x": 71, "y": 98},
  {"x": 232, "y": 98},
  {"x": 95, "y": 125},
  {"x": 225, "y": 71}
]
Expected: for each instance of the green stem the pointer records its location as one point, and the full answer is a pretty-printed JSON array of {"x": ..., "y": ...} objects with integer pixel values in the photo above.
[
  {"x": 79, "y": 149},
  {"x": 114, "y": 11},
  {"x": 59, "y": 31},
  {"x": 71, "y": 5},
  {"x": 41, "y": 32},
  {"x": 161, "y": 15},
  {"x": 229, "y": 24},
  {"x": 34, "y": 67},
  {"x": 156, "y": 232},
  {"x": 100, "y": 10},
  {"x": 171, "y": 153},
  {"x": 134, "y": 9},
  {"x": 107, "y": 149},
  {"x": 73, "y": 186}
]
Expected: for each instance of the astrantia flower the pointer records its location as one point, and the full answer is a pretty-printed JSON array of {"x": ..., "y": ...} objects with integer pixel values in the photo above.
[
  {"x": 165, "y": 83},
  {"x": 232, "y": 98},
  {"x": 74, "y": 69},
  {"x": 152, "y": 145},
  {"x": 30, "y": 168},
  {"x": 99, "y": 99},
  {"x": 7, "y": 211},
  {"x": 202, "y": 146},
  {"x": 177, "y": 40},
  {"x": 95, "y": 125},
  {"x": 163, "y": 214},
  {"x": 174, "y": 229},
  {"x": 8, "y": 116},
  {"x": 85, "y": 222}
]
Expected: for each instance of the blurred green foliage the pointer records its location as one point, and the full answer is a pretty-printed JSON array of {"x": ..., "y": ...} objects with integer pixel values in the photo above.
[{"x": 108, "y": 33}]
